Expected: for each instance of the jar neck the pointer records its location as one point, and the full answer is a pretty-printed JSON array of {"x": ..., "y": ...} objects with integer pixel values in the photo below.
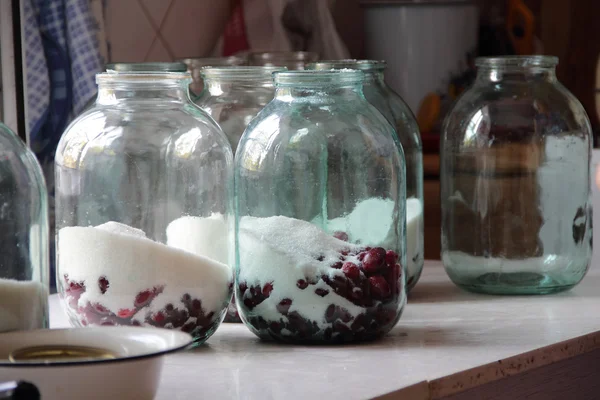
[
  {"x": 217, "y": 87},
  {"x": 318, "y": 94},
  {"x": 118, "y": 92},
  {"x": 515, "y": 74}
]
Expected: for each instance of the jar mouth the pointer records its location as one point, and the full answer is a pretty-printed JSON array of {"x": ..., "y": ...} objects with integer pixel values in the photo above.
[
  {"x": 284, "y": 56},
  {"x": 319, "y": 78},
  {"x": 244, "y": 74},
  {"x": 363, "y": 65},
  {"x": 516, "y": 62},
  {"x": 199, "y": 62},
  {"x": 144, "y": 67},
  {"x": 145, "y": 77}
]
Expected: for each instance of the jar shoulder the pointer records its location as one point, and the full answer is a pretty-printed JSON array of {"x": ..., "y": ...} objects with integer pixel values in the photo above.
[
  {"x": 521, "y": 109},
  {"x": 117, "y": 129}
]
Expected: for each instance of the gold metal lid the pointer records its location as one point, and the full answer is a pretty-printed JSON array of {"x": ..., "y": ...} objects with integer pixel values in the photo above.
[{"x": 59, "y": 354}]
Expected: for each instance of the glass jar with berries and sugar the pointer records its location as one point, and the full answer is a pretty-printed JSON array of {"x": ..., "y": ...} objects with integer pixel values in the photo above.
[
  {"x": 320, "y": 214},
  {"x": 144, "y": 208}
]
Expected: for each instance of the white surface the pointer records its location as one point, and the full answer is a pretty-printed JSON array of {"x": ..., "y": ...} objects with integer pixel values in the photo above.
[
  {"x": 423, "y": 44},
  {"x": 134, "y": 379},
  {"x": 23, "y": 305},
  {"x": 133, "y": 264},
  {"x": 443, "y": 331}
]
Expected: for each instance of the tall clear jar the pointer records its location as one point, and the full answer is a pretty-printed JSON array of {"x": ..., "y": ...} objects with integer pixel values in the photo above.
[
  {"x": 515, "y": 158},
  {"x": 396, "y": 111},
  {"x": 144, "y": 209},
  {"x": 233, "y": 96},
  {"x": 195, "y": 66},
  {"x": 320, "y": 214},
  {"x": 24, "y": 252}
]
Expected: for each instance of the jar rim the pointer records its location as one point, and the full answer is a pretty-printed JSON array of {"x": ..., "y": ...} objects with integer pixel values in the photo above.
[
  {"x": 143, "y": 67},
  {"x": 154, "y": 77},
  {"x": 349, "y": 63},
  {"x": 241, "y": 73},
  {"x": 517, "y": 61},
  {"x": 199, "y": 62},
  {"x": 319, "y": 78},
  {"x": 283, "y": 55}
]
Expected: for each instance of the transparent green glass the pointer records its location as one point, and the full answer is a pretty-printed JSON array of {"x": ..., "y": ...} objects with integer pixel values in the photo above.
[
  {"x": 24, "y": 253},
  {"x": 144, "y": 209},
  {"x": 391, "y": 105},
  {"x": 515, "y": 181},
  {"x": 320, "y": 197}
]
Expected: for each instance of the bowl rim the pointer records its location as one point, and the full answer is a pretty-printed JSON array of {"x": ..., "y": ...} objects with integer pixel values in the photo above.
[{"x": 153, "y": 354}]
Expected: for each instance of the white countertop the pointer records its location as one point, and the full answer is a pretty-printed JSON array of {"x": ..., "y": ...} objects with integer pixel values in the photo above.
[{"x": 446, "y": 341}]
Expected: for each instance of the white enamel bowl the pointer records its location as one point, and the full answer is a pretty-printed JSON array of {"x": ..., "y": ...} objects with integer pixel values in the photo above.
[{"x": 133, "y": 374}]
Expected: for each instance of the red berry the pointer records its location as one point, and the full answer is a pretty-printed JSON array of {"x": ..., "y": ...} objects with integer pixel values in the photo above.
[
  {"x": 126, "y": 313},
  {"x": 143, "y": 298},
  {"x": 158, "y": 317},
  {"x": 284, "y": 305},
  {"x": 337, "y": 265},
  {"x": 391, "y": 258},
  {"x": 351, "y": 270},
  {"x": 267, "y": 289},
  {"x": 100, "y": 309},
  {"x": 373, "y": 260},
  {"x": 302, "y": 284},
  {"x": 340, "y": 235},
  {"x": 322, "y": 292},
  {"x": 379, "y": 286},
  {"x": 103, "y": 284}
]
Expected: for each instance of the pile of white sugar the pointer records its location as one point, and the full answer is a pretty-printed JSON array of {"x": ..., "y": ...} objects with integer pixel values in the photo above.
[
  {"x": 23, "y": 305},
  {"x": 283, "y": 250},
  {"x": 133, "y": 263}
]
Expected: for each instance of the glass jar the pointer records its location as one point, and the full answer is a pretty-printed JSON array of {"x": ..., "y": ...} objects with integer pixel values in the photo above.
[
  {"x": 144, "y": 208},
  {"x": 233, "y": 97},
  {"x": 24, "y": 252},
  {"x": 515, "y": 184},
  {"x": 320, "y": 214},
  {"x": 292, "y": 60},
  {"x": 195, "y": 66},
  {"x": 391, "y": 105}
]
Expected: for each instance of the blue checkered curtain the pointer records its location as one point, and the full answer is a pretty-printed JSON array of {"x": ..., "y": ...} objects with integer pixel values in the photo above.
[{"x": 62, "y": 57}]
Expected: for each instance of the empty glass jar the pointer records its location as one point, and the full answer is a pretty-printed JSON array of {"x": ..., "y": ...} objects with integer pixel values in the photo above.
[
  {"x": 320, "y": 214},
  {"x": 515, "y": 158},
  {"x": 144, "y": 208},
  {"x": 391, "y": 105},
  {"x": 24, "y": 253},
  {"x": 233, "y": 96}
]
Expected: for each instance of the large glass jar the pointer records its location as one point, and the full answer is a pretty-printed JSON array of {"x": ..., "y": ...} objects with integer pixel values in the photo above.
[
  {"x": 292, "y": 60},
  {"x": 144, "y": 208},
  {"x": 23, "y": 237},
  {"x": 195, "y": 66},
  {"x": 320, "y": 214},
  {"x": 391, "y": 105},
  {"x": 515, "y": 155},
  {"x": 233, "y": 96}
]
